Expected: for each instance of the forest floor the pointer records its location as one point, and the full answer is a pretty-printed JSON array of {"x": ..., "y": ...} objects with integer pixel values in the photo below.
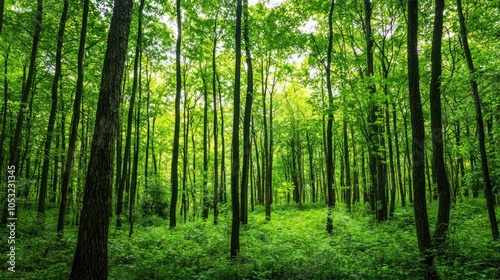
[{"x": 293, "y": 245}]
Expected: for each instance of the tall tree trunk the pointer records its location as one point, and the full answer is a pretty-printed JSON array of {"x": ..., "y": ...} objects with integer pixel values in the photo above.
[
  {"x": 257, "y": 160},
  {"x": 347, "y": 170},
  {"x": 391, "y": 156},
  {"x": 375, "y": 138},
  {"x": 16, "y": 141},
  {"x": 55, "y": 171},
  {"x": 136, "y": 82},
  {"x": 417, "y": 124},
  {"x": 247, "y": 144},
  {"x": 53, "y": 110},
  {"x": 216, "y": 138},
  {"x": 126, "y": 166},
  {"x": 174, "y": 176},
  {"x": 91, "y": 255},
  {"x": 148, "y": 125},
  {"x": 311, "y": 167},
  {"x": 398, "y": 160},
  {"x": 356, "y": 194},
  {"x": 488, "y": 191},
  {"x": 438, "y": 164},
  {"x": 265, "y": 149},
  {"x": 185, "y": 133},
  {"x": 408, "y": 159},
  {"x": 222, "y": 193},
  {"x": 235, "y": 146},
  {"x": 329, "y": 129},
  {"x": 205, "y": 203}
]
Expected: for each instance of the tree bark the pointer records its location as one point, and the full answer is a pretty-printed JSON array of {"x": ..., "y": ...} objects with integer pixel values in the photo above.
[
  {"x": 438, "y": 164},
  {"x": 378, "y": 168},
  {"x": 216, "y": 139},
  {"x": 417, "y": 124},
  {"x": 174, "y": 176},
  {"x": 235, "y": 146},
  {"x": 91, "y": 255},
  {"x": 205, "y": 203},
  {"x": 136, "y": 86},
  {"x": 126, "y": 166},
  {"x": 247, "y": 144},
  {"x": 329, "y": 129}
]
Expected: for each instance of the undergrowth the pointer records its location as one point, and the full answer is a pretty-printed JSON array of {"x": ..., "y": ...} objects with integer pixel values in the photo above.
[{"x": 293, "y": 245}]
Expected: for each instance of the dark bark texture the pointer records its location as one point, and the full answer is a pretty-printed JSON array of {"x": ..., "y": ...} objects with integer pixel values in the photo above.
[{"x": 91, "y": 255}]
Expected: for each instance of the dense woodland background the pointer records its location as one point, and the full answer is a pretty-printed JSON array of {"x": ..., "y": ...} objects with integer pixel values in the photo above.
[{"x": 251, "y": 139}]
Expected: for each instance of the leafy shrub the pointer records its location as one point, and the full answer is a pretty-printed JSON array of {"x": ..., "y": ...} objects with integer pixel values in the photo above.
[{"x": 154, "y": 199}]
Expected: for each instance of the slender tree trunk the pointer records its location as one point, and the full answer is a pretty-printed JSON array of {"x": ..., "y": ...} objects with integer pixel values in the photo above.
[
  {"x": 257, "y": 160},
  {"x": 329, "y": 129},
  {"x": 136, "y": 82},
  {"x": 126, "y": 166},
  {"x": 222, "y": 193},
  {"x": 488, "y": 191},
  {"x": 417, "y": 123},
  {"x": 53, "y": 110},
  {"x": 347, "y": 168},
  {"x": 265, "y": 149},
  {"x": 216, "y": 138},
  {"x": 148, "y": 128},
  {"x": 391, "y": 157},
  {"x": 247, "y": 144},
  {"x": 408, "y": 159},
  {"x": 91, "y": 255},
  {"x": 174, "y": 176},
  {"x": 235, "y": 147},
  {"x": 376, "y": 138},
  {"x": 398, "y": 160},
  {"x": 205, "y": 202},
  {"x": 356, "y": 195},
  {"x": 185, "y": 130},
  {"x": 55, "y": 171},
  {"x": 366, "y": 197},
  {"x": 438, "y": 164},
  {"x": 311, "y": 168}
]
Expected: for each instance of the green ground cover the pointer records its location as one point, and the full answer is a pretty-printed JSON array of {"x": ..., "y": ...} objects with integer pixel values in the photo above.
[{"x": 294, "y": 245}]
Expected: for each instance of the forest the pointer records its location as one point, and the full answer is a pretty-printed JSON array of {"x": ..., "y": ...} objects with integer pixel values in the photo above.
[{"x": 250, "y": 139}]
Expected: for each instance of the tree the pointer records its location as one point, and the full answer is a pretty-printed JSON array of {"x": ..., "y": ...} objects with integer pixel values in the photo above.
[
  {"x": 91, "y": 255},
  {"x": 378, "y": 167},
  {"x": 247, "y": 145},
  {"x": 215, "y": 120},
  {"x": 174, "y": 176},
  {"x": 65, "y": 182},
  {"x": 136, "y": 83},
  {"x": 235, "y": 143},
  {"x": 329, "y": 130},
  {"x": 488, "y": 190},
  {"x": 418, "y": 142},
  {"x": 438, "y": 164},
  {"x": 53, "y": 109}
]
